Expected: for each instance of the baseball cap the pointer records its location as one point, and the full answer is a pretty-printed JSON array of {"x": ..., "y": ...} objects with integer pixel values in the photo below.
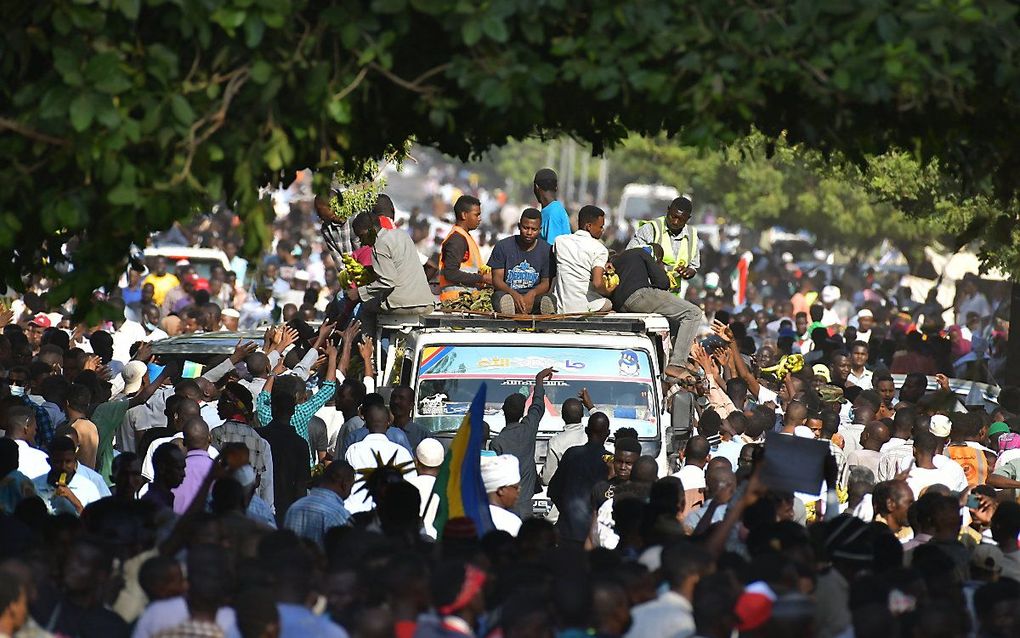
[
  {"x": 133, "y": 373},
  {"x": 998, "y": 428},
  {"x": 430, "y": 453},
  {"x": 42, "y": 320},
  {"x": 940, "y": 426},
  {"x": 201, "y": 283},
  {"x": 822, "y": 370},
  {"x": 830, "y": 294},
  {"x": 831, "y": 394},
  {"x": 987, "y": 557}
]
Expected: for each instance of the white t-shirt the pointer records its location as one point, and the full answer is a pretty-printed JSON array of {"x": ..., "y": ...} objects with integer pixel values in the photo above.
[
  {"x": 504, "y": 520},
  {"x": 576, "y": 256},
  {"x": 31, "y": 462},
  {"x": 148, "y": 470},
  {"x": 362, "y": 455},
  {"x": 919, "y": 478}
]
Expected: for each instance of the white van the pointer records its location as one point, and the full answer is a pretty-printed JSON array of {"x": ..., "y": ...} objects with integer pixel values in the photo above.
[
  {"x": 617, "y": 358},
  {"x": 640, "y": 202}
]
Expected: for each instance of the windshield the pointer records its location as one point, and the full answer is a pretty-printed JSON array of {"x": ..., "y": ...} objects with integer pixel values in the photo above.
[
  {"x": 618, "y": 380},
  {"x": 644, "y": 207}
]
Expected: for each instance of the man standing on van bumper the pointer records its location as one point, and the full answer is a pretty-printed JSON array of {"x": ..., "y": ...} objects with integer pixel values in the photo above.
[
  {"x": 644, "y": 287},
  {"x": 400, "y": 286}
]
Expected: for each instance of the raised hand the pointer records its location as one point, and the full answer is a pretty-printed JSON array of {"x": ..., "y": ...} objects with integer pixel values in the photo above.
[
  {"x": 545, "y": 375},
  {"x": 144, "y": 352},
  {"x": 242, "y": 350},
  {"x": 289, "y": 336}
]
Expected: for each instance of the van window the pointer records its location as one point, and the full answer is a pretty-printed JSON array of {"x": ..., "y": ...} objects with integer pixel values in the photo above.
[{"x": 619, "y": 381}]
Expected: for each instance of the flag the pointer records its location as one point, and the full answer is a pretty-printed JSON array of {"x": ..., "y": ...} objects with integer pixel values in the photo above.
[
  {"x": 459, "y": 484},
  {"x": 738, "y": 280}
]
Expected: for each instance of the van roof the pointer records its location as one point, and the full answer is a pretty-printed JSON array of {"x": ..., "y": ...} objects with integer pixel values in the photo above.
[{"x": 614, "y": 322}]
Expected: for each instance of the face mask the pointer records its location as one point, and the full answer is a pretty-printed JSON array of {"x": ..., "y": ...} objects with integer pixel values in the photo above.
[{"x": 17, "y": 390}]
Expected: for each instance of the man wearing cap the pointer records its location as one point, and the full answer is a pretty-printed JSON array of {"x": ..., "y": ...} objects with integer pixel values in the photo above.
[
  {"x": 36, "y": 327},
  {"x": 830, "y": 317},
  {"x": 428, "y": 458},
  {"x": 518, "y": 439},
  {"x": 679, "y": 239},
  {"x": 865, "y": 321},
  {"x": 502, "y": 477},
  {"x": 162, "y": 281},
  {"x": 555, "y": 220},
  {"x": 230, "y": 318}
]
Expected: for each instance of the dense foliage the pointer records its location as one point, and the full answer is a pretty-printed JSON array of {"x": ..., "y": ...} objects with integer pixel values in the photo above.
[{"x": 120, "y": 116}]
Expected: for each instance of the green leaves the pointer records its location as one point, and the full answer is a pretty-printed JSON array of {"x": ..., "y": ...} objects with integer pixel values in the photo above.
[
  {"x": 81, "y": 110},
  {"x": 182, "y": 110},
  {"x": 110, "y": 93}
]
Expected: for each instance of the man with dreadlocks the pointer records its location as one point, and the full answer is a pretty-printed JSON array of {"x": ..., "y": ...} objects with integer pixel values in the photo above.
[{"x": 237, "y": 409}]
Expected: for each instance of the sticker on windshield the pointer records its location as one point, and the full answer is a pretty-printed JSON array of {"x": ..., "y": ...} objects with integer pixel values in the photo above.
[
  {"x": 433, "y": 405},
  {"x": 629, "y": 366}
]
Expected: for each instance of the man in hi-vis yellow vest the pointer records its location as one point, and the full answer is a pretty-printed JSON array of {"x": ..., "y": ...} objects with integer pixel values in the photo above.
[{"x": 679, "y": 241}]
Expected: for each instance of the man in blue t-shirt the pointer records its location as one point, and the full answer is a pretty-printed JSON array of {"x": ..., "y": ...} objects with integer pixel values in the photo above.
[
  {"x": 520, "y": 270},
  {"x": 555, "y": 220}
]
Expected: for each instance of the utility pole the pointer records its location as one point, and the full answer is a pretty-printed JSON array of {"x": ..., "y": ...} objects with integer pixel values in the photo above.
[{"x": 601, "y": 194}]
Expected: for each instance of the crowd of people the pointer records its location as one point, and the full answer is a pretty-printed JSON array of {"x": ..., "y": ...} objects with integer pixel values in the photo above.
[{"x": 274, "y": 492}]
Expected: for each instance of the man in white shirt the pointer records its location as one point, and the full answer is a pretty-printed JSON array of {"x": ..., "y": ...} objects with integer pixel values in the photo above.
[
  {"x": 580, "y": 263},
  {"x": 972, "y": 300},
  {"x": 63, "y": 489},
  {"x": 671, "y": 614},
  {"x": 859, "y": 375},
  {"x": 428, "y": 458},
  {"x": 865, "y": 321},
  {"x": 21, "y": 428},
  {"x": 502, "y": 477},
  {"x": 367, "y": 453},
  {"x": 925, "y": 473},
  {"x": 573, "y": 434}
]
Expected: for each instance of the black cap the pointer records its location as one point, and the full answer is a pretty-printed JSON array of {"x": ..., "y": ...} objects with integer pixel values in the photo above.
[{"x": 546, "y": 179}]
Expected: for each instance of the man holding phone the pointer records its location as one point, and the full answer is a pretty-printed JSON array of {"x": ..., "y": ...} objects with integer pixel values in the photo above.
[{"x": 678, "y": 239}]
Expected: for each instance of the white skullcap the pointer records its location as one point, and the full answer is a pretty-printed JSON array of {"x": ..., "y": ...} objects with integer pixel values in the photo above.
[
  {"x": 692, "y": 477},
  {"x": 430, "y": 453},
  {"x": 803, "y": 432},
  {"x": 133, "y": 373},
  {"x": 865, "y": 313},
  {"x": 230, "y": 312},
  {"x": 940, "y": 426},
  {"x": 245, "y": 475},
  {"x": 500, "y": 471},
  {"x": 830, "y": 294}
]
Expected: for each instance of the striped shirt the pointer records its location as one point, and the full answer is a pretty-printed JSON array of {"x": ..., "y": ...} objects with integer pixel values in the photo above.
[
  {"x": 339, "y": 240},
  {"x": 260, "y": 454}
]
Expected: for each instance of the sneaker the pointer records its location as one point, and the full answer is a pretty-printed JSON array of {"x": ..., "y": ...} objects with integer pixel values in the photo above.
[
  {"x": 547, "y": 306},
  {"x": 506, "y": 305}
]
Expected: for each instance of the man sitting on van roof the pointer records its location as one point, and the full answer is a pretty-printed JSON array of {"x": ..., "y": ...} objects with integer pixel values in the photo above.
[{"x": 678, "y": 239}]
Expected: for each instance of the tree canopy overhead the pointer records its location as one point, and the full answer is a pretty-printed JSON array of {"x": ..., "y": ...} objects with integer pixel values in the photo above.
[{"x": 120, "y": 116}]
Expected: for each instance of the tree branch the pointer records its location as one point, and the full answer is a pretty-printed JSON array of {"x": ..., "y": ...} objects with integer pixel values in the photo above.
[
  {"x": 31, "y": 133},
  {"x": 344, "y": 92}
]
